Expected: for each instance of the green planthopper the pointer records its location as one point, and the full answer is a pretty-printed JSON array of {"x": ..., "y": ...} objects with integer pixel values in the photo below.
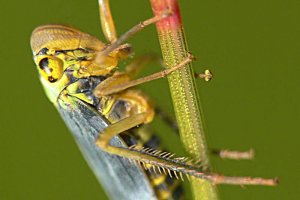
[{"x": 107, "y": 117}]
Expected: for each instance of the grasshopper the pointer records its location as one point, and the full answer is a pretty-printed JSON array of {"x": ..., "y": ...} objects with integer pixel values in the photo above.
[{"x": 97, "y": 102}]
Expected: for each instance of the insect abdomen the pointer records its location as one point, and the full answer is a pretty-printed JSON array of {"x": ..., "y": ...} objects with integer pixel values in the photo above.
[{"x": 164, "y": 186}]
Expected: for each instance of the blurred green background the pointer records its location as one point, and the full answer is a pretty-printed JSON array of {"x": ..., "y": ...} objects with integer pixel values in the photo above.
[{"x": 252, "y": 47}]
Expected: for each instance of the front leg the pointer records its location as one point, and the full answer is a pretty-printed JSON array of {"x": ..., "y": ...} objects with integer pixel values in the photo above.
[
  {"x": 107, "y": 64},
  {"x": 107, "y": 22}
]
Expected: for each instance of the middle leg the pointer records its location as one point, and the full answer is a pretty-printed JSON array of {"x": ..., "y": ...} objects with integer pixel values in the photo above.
[{"x": 103, "y": 90}]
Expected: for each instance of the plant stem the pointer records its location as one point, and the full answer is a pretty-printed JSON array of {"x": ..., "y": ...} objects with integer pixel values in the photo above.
[{"x": 183, "y": 92}]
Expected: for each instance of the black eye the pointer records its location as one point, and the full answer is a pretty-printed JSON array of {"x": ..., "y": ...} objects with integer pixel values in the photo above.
[
  {"x": 44, "y": 63},
  {"x": 51, "y": 79},
  {"x": 51, "y": 68}
]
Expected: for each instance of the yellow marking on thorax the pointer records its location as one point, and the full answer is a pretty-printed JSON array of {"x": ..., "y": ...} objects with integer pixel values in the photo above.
[{"x": 106, "y": 103}]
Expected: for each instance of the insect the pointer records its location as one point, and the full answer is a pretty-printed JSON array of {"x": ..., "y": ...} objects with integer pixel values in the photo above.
[{"x": 97, "y": 102}]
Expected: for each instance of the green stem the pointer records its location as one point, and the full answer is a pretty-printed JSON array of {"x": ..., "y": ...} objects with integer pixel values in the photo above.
[{"x": 183, "y": 91}]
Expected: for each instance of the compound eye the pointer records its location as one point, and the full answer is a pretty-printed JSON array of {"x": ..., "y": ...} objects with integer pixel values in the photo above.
[{"x": 51, "y": 68}]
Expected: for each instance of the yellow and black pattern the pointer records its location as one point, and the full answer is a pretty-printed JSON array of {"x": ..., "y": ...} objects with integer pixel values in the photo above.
[
  {"x": 165, "y": 186},
  {"x": 61, "y": 76}
]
